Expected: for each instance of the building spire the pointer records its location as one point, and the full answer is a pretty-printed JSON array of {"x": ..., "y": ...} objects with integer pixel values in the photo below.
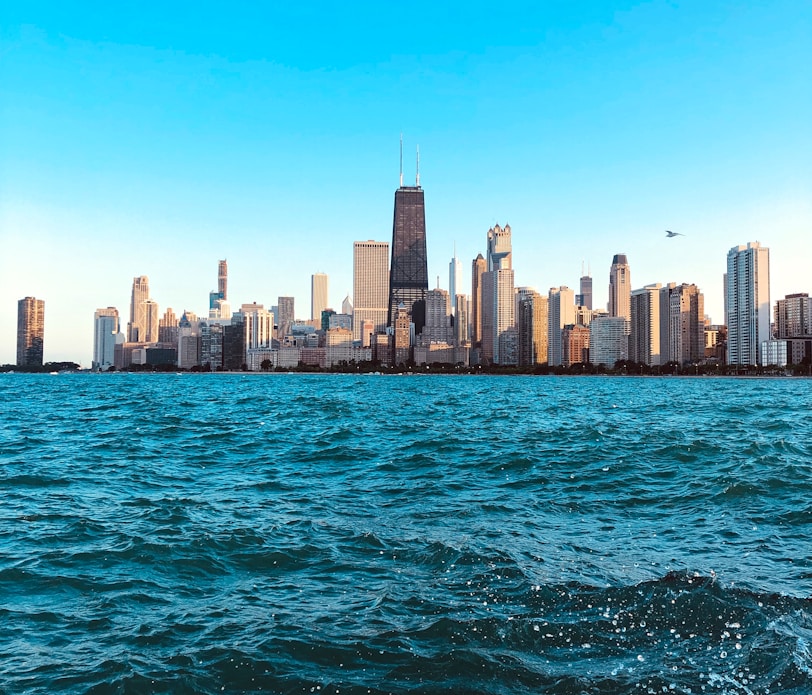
[
  {"x": 401, "y": 160},
  {"x": 417, "y": 179}
]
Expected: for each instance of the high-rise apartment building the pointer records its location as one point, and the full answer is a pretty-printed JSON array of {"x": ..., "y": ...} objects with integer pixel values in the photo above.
[
  {"x": 438, "y": 317},
  {"x": 152, "y": 321},
  {"x": 793, "y": 316},
  {"x": 408, "y": 272},
  {"x": 608, "y": 340},
  {"x": 137, "y": 327},
  {"x": 532, "y": 327},
  {"x": 561, "y": 312},
  {"x": 575, "y": 345},
  {"x": 30, "y": 332},
  {"x": 620, "y": 287},
  {"x": 747, "y": 302},
  {"x": 318, "y": 295},
  {"x": 370, "y": 285},
  {"x": 105, "y": 332},
  {"x": 285, "y": 318},
  {"x": 644, "y": 328},
  {"x": 478, "y": 267},
  {"x": 686, "y": 324}
]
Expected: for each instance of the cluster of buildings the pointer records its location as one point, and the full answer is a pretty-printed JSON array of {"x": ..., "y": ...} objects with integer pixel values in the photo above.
[{"x": 394, "y": 319}]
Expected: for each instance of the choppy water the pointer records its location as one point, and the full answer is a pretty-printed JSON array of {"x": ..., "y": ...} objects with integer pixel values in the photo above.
[{"x": 374, "y": 534}]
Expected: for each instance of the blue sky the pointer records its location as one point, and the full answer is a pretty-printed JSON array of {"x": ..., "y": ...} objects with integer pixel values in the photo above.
[{"x": 141, "y": 139}]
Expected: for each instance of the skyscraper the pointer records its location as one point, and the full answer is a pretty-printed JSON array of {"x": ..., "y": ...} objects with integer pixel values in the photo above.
[
  {"x": 532, "y": 323},
  {"x": 222, "y": 279},
  {"x": 560, "y": 313},
  {"x": 454, "y": 281},
  {"x": 585, "y": 296},
  {"x": 498, "y": 304},
  {"x": 478, "y": 267},
  {"x": 686, "y": 324},
  {"x": 748, "y": 302},
  {"x": 105, "y": 330},
  {"x": 620, "y": 287},
  {"x": 285, "y": 318},
  {"x": 438, "y": 317},
  {"x": 137, "y": 327},
  {"x": 318, "y": 295},
  {"x": 30, "y": 332},
  {"x": 644, "y": 335},
  {"x": 370, "y": 285},
  {"x": 408, "y": 272}
]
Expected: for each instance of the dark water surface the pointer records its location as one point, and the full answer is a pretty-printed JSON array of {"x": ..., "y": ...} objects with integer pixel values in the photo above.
[{"x": 374, "y": 534}]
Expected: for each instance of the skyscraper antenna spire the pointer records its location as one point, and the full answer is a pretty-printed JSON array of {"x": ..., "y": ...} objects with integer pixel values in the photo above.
[
  {"x": 401, "y": 160},
  {"x": 417, "y": 179}
]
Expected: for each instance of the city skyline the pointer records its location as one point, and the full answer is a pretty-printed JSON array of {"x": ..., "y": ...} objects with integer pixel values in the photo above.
[{"x": 135, "y": 146}]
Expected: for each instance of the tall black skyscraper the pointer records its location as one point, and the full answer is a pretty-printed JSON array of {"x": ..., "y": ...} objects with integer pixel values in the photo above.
[{"x": 408, "y": 273}]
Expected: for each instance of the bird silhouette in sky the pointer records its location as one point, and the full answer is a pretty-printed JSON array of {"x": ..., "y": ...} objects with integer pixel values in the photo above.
[{"x": 670, "y": 234}]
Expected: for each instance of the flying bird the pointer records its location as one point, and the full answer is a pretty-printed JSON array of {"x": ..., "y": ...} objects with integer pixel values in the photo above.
[{"x": 672, "y": 234}]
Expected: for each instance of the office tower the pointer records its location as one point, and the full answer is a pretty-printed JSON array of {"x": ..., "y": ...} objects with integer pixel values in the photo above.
[
  {"x": 608, "y": 340},
  {"x": 151, "y": 321},
  {"x": 408, "y": 272},
  {"x": 189, "y": 341},
  {"x": 30, "y": 332},
  {"x": 258, "y": 324},
  {"x": 478, "y": 267},
  {"x": 500, "y": 248},
  {"x": 318, "y": 295},
  {"x": 574, "y": 345},
  {"x": 168, "y": 328},
  {"x": 584, "y": 298},
  {"x": 137, "y": 327},
  {"x": 686, "y": 324},
  {"x": 748, "y": 302},
  {"x": 462, "y": 328},
  {"x": 620, "y": 288},
  {"x": 370, "y": 285},
  {"x": 105, "y": 330},
  {"x": 454, "y": 281},
  {"x": 532, "y": 326},
  {"x": 222, "y": 279},
  {"x": 285, "y": 317},
  {"x": 498, "y": 317},
  {"x": 347, "y": 307},
  {"x": 498, "y": 304},
  {"x": 644, "y": 328},
  {"x": 560, "y": 313},
  {"x": 438, "y": 317}
]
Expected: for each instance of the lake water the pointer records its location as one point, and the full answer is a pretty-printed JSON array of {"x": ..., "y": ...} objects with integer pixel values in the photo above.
[{"x": 430, "y": 534}]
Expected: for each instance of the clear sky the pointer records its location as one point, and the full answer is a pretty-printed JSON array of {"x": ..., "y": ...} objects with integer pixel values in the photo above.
[{"x": 156, "y": 138}]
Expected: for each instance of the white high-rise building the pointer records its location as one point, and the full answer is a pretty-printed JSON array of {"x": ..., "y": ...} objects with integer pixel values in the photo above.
[
  {"x": 105, "y": 331},
  {"x": 370, "y": 285},
  {"x": 747, "y": 302},
  {"x": 560, "y": 313},
  {"x": 318, "y": 295},
  {"x": 454, "y": 281},
  {"x": 608, "y": 340}
]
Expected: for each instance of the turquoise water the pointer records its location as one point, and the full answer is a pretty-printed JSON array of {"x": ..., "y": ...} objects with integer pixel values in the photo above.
[{"x": 374, "y": 534}]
